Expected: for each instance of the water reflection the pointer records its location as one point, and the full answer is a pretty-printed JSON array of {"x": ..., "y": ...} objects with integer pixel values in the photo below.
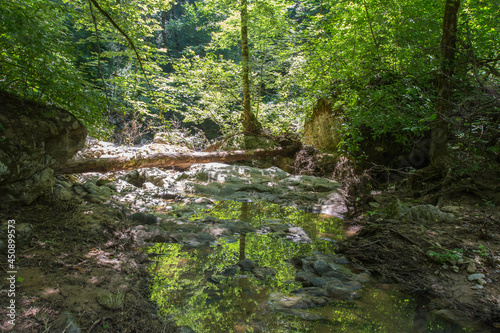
[{"x": 205, "y": 288}]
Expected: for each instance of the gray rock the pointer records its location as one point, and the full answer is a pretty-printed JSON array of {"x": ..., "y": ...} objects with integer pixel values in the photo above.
[
  {"x": 340, "y": 275},
  {"x": 321, "y": 267},
  {"x": 476, "y": 276},
  {"x": 303, "y": 276},
  {"x": 338, "y": 293},
  {"x": 317, "y": 282},
  {"x": 334, "y": 283},
  {"x": 272, "y": 184},
  {"x": 34, "y": 137},
  {"x": 63, "y": 191},
  {"x": 313, "y": 291},
  {"x": 395, "y": 210}
]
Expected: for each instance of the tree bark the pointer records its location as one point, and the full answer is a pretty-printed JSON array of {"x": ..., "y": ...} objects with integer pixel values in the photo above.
[
  {"x": 439, "y": 138},
  {"x": 163, "y": 28},
  {"x": 250, "y": 122},
  {"x": 181, "y": 160}
]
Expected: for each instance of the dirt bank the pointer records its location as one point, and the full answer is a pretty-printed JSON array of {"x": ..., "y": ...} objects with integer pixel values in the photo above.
[{"x": 454, "y": 262}]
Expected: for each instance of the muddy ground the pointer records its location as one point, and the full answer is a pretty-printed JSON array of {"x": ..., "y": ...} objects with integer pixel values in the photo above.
[{"x": 79, "y": 263}]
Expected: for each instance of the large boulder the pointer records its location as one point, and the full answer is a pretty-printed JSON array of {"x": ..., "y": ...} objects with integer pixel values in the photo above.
[{"x": 32, "y": 138}]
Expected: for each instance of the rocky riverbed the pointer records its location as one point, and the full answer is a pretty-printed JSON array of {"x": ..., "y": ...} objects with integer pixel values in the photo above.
[{"x": 102, "y": 251}]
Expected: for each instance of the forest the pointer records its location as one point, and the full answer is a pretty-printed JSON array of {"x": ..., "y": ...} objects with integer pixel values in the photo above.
[{"x": 382, "y": 117}]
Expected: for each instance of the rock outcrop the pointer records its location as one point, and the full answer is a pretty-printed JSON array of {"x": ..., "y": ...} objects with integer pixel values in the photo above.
[
  {"x": 32, "y": 138},
  {"x": 322, "y": 130}
]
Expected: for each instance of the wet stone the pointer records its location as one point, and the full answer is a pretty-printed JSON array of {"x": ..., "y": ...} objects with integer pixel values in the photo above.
[
  {"x": 334, "y": 282},
  {"x": 319, "y": 301},
  {"x": 143, "y": 218},
  {"x": 338, "y": 275},
  {"x": 338, "y": 293},
  {"x": 262, "y": 273},
  {"x": 352, "y": 285},
  {"x": 205, "y": 237},
  {"x": 247, "y": 264},
  {"x": 306, "y": 266},
  {"x": 304, "y": 276},
  {"x": 317, "y": 282},
  {"x": 321, "y": 267},
  {"x": 313, "y": 291}
]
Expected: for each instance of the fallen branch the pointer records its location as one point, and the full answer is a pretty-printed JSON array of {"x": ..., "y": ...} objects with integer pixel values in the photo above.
[{"x": 181, "y": 160}]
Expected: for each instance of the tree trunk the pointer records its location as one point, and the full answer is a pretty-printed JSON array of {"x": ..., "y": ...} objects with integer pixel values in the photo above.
[
  {"x": 181, "y": 160},
  {"x": 250, "y": 122},
  {"x": 163, "y": 28},
  {"x": 438, "y": 150}
]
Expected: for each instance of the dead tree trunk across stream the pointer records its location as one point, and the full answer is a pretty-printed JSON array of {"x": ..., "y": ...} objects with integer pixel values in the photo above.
[{"x": 180, "y": 160}]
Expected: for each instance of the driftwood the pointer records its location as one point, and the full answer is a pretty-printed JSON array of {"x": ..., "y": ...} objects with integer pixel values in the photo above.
[{"x": 180, "y": 160}]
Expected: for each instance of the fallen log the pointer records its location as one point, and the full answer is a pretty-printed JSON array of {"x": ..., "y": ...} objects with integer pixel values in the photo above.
[{"x": 180, "y": 160}]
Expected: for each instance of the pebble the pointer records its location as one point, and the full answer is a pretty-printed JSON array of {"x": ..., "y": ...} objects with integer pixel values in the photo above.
[{"x": 477, "y": 287}]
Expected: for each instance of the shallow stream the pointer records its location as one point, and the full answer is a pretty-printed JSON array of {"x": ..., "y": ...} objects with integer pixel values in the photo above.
[{"x": 248, "y": 281}]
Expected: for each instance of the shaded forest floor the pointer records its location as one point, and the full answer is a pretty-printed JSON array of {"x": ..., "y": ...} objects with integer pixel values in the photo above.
[{"x": 78, "y": 259}]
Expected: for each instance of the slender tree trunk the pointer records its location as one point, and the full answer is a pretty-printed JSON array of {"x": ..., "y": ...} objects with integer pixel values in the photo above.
[
  {"x": 243, "y": 217},
  {"x": 163, "y": 28},
  {"x": 439, "y": 139},
  {"x": 250, "y": 122}
]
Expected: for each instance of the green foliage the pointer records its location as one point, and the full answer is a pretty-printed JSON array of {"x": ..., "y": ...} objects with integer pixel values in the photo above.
[
  {"x": 37, "y": 58},
  {"x": 482, "y": 251},
  {"x": 377, "y": 60},
  {"x": 210, "y": 89},
  {"x": 446, "y": 256}
]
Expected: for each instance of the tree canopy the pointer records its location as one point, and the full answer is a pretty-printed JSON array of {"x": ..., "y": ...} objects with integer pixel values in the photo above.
[{"x": 377, "y": 60}]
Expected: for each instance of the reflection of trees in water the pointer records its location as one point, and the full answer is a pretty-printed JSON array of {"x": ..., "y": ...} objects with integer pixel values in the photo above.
[
  {"x": 198, "y": 289},
  {"x": 191, "y": 288}
]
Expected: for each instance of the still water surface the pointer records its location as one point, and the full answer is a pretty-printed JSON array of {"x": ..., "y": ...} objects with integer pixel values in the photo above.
[{"x": 197, "y": 287}]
